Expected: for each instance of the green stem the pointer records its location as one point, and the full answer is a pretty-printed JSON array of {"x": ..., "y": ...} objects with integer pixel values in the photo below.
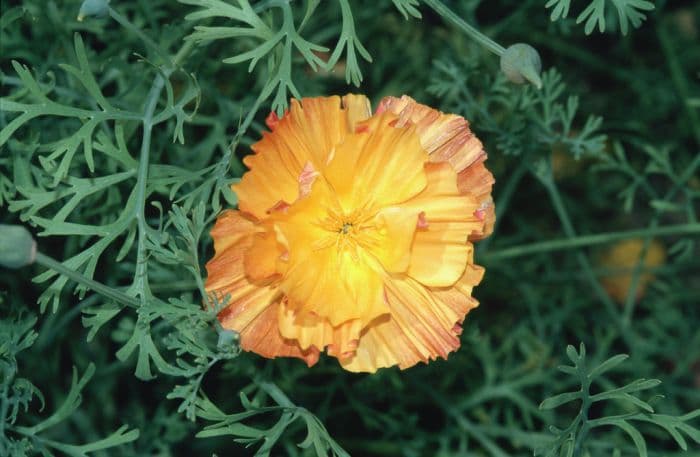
[
  {"x": 591, "y": 240},
  {"x": 475, "y": 34},
  {"x": 140, "y": 276},
  {"x": 583, "y": 418},
  {"x": 98, "y": 287}
]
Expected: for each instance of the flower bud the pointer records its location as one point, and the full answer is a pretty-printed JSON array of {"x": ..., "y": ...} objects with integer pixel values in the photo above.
[
  {"x": 520, "y": 63},
  {"x": 97, "y": 8},
  {"x": 17, "y": 246}
]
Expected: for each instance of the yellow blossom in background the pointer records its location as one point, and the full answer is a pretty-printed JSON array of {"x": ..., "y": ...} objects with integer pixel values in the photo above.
[
  {"x": 352, "y": 234},
  {"x": 623, "y": 257}
]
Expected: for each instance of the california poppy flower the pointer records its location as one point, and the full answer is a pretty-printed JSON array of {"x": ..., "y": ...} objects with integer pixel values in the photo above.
[{"x": 352, "y": 234}]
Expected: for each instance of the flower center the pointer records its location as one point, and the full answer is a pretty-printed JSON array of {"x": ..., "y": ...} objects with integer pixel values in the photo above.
[{"x": 346, "y": 232}]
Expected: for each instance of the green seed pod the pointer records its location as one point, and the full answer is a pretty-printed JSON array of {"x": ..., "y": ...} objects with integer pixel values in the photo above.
[
  {"x": 97, "y": 8},
  {"x": 520, "y": 63},
  {"x": 17, "y": 247}
]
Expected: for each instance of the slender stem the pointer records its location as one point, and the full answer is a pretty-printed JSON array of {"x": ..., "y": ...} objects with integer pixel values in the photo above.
[
  {"x": 591, "y": 240},
  {"x": 96, "y": 286},
  {"x": 583, "y": 417},
  {"x": 140, "y": 276},
  {"x": 470, "y": 30},
  {"x": 148, "y": 123}
]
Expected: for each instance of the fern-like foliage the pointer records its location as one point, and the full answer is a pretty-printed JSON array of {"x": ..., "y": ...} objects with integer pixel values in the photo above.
[
  {"x": 408, "y": 8},
  {"x": 222, "y": 424},
  {"x": 544, "y": 118},
  {"x": 571, "y": 440},
  {"x": 275, "y": 44},
  {"x": 54, "y": 190},
  {"x": 17, "y": 437},
  {"x": 629, "y": 12},
  {"x": 64, "y": 185}
]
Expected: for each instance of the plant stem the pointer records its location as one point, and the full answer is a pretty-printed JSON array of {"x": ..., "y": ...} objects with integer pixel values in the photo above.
[
  {"x": 479, "y": 37},
  {"x": 96, "y": 286},
  {"x": 583, "y": 417},
  {"x": 590, "y": 240},
  {"x": 140, "y": 276}
]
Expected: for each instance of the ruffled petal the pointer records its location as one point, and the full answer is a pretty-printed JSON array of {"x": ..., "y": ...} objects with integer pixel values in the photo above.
[
  {"x": 421, "y": 327},
  {"x": 458, "y": 297},
  {"x": 448, "y": 138},
  {"x": 232, "y": 235},
  {"x": 441, "y": 200},
  {"x": 307, "y": 133},
  {"x": 439, "y": 250},
  {"x": 378, "y": 166},
  {"x": 311, "y": 330},
  {"x": 251, "y": 307},
  {"x": 383, "y": 344},
  {"x": 358, "y": 109},
  {"x": 261, "y": 334},
  {"x": 260, "y": 260},
  {"x": 478, "y": 181},
  {"x": 439, "y": 254},
  {"x": 230, "y": 228}
]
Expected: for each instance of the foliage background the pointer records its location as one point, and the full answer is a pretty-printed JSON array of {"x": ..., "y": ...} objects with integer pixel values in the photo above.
[{"x": 120, "y": 134}]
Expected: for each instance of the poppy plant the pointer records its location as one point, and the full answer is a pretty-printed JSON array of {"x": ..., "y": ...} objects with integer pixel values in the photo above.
[{"x": 353, "y": 234}]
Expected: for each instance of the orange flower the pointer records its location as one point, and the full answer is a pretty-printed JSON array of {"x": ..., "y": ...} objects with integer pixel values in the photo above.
[{"x": 352, "y": 234}]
